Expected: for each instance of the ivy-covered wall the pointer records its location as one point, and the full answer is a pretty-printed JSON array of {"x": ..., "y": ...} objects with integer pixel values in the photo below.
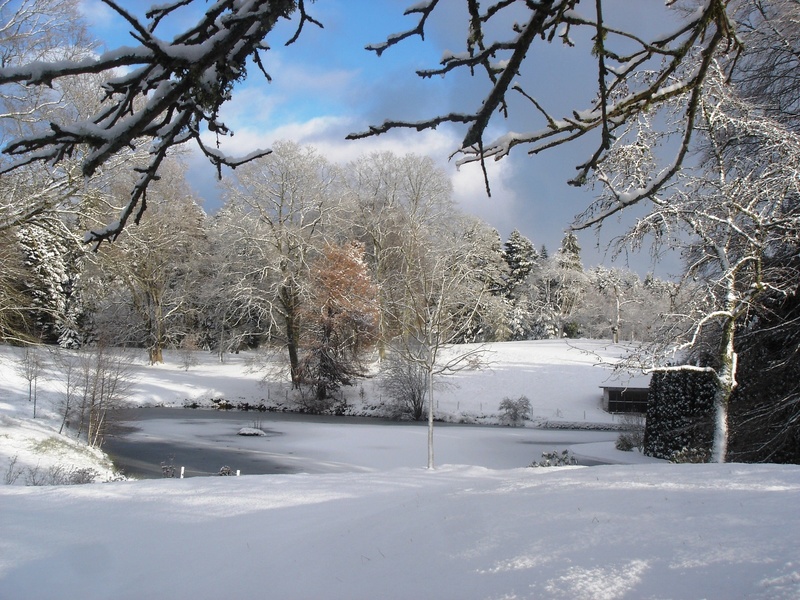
[{"x": 680, "y": 413}]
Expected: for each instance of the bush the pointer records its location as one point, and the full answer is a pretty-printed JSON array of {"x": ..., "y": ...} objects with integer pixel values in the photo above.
[
  {"x": 690, "y": 455},
  {"x": 406, "y": 385},
  {"x": 572, "y": 330},
  {"x": 168, "y": 468},
  {"x": 680, "y": 412},
  {"x": 634, "y": 437},
  {"x": 53, "y": 475},
  {"x": 564, "y": 458},
  {"x": 513, "y": 412},
  {"x": 625, "y": 442}
]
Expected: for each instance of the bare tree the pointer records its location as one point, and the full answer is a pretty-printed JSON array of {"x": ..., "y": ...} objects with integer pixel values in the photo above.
[
  {"x": 184, "y": 82},
  {"x": 439, "y": 285},
  {"x": 406, "y": 384},
  {"x": 386, "y": 198},
  {"x": 30, "y": 366},
  {"x": 634, "y": 74},
  {"x": 614, "y": 291},
  {"x": 103, "y": 387},
  {"x": 767, "y": 73},
  {"x": 287, "y": 200},
  {"x": 154, "y": 262}
]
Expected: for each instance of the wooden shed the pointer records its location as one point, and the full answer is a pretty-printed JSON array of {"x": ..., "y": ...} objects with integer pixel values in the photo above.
[{"x": 628, "y": 397}]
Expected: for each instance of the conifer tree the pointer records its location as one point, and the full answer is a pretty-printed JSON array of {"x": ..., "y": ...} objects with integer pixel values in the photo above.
[
  {"x": 520, "y": 255},
  {"x": 569, "y": 254}
]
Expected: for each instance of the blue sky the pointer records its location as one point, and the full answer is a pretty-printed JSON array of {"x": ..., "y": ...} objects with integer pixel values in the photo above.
[{"x": 327, "y": 85}]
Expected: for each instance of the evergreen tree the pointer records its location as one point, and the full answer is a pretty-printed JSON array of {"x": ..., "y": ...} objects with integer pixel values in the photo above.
[
  {"x": 52, "y": 264},
  {"x": 521, "y": 258},
  {"x": 489, "y": 319},
  {"x": 520, "y": 255},
  {"x": 569, "y": 254}
]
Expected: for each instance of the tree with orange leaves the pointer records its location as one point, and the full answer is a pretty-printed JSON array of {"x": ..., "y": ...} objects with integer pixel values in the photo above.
[{"x": 341, "y": 321}]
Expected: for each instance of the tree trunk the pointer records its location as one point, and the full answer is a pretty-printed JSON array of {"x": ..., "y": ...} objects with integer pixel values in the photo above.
[
  {"x": 157, "y": 332},
  {"x": 155, "y": 354},
  {"x": 726, "y": 384},
  {"x": 430, "y": 420},
  {"x": 288, "y": 299}
]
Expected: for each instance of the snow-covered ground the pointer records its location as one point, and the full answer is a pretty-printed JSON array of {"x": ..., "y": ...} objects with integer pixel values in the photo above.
[{"x": 461, "y": 531}]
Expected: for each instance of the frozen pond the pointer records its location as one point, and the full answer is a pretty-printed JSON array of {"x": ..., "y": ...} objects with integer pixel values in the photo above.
[{"x": 203, "y": 441}]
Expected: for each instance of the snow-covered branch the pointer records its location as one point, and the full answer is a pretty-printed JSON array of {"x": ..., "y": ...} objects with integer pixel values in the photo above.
[
  {"x": 628, "y": 83},
  {"x": 169, "y": 92}
]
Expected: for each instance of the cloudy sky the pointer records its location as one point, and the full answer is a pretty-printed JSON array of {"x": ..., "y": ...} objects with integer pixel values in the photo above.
[{"x": 327, "y": 85}]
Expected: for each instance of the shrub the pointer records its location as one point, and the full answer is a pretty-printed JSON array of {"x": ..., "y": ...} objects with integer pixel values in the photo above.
[
  {"x": 690, "y": 455},
  {"x": 513, "y": 412},
  {"x": 406, "y": 385},
  {"x": 634, "y": 437},
  {"x": 680, "y": 412},
  {"x": 13, "y": 472},
  {"x": 168, "y": 468},
  {"x": 564, "y": 458},
  {"x": 625, "y": 442}
]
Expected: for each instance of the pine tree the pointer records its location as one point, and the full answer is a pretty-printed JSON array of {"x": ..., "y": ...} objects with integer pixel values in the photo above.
[
  {"x": 52, "y": 262},
  {"x": 520, "y": 255},
  {"x": 569, "y": 254}
]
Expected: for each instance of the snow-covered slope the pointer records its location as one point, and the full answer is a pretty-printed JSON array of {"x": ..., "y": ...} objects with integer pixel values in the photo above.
[{"x": 593, "y": 533}]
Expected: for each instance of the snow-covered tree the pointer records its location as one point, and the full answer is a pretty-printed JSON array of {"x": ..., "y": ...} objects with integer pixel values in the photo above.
[
  {"x": 53, "y": 265},
  {"x": 287, "y": 200},
  {"x": 613, "y": 292},
  {"x": 522, "y": 259},
  {"x": 736, "y": 214},
  {"x": 15, "y": 304},
  {"x": 520, "y": 255},
  {"x": 234, "y": 300},
  {"x": 390, "y": 199},
  {"x": 635, "y": 73},
  {"x": 490, "y": 322},
  {"x": 569, "y": 253},
  {"x": 440, "y": 285},
  {"x": 557, "y": 288},
  {"x": 152, "y": 267}
]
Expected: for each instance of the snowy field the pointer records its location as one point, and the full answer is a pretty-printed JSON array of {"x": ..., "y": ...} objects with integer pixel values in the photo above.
[{"x": 641, "y": 531}]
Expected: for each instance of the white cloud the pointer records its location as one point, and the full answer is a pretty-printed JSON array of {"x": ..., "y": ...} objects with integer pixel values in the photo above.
[
  {"x": 97, "y": 13},
  {"x": 327, "y": 135},
  {"x": 469, "y": 190}
]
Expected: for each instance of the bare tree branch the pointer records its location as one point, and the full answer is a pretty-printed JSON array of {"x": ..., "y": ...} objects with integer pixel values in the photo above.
[
  {"x": 172, "y": 90},
  {"x": 626, "y": 89}
]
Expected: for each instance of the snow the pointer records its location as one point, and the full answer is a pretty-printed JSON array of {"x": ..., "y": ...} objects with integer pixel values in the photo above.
[{"x": 652, "y": 530}]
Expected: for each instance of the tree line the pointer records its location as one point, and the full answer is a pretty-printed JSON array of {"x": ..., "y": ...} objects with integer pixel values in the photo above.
[{"x": 321, "y": 260}]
